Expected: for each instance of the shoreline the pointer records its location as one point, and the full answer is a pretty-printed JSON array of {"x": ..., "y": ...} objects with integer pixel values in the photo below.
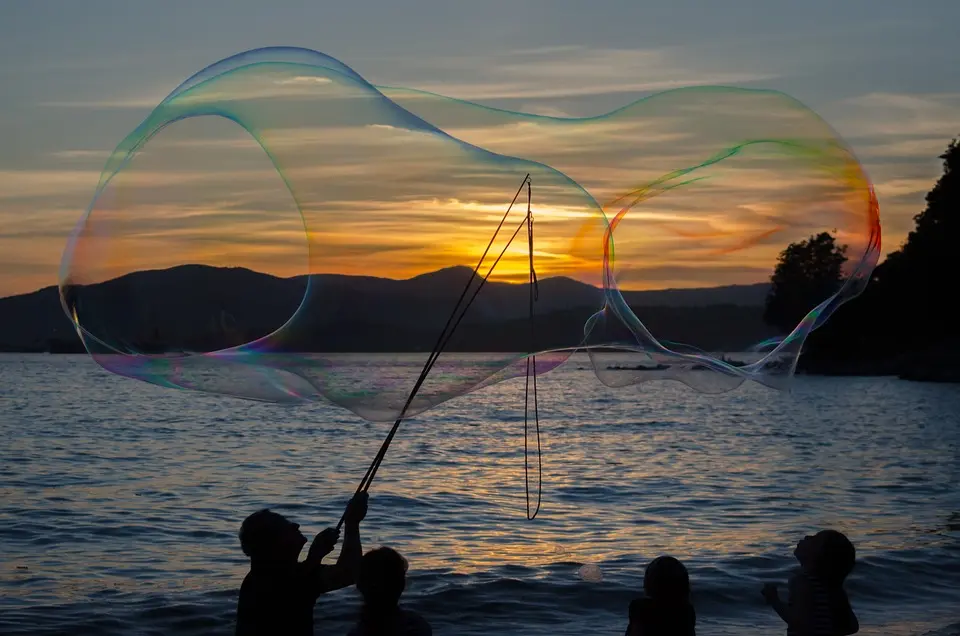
[{"x": 941, "y": 369}]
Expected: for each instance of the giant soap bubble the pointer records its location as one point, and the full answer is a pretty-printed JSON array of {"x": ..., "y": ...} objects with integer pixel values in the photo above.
[
  {"x": 370, "y": 206},
  {"x": 703, "y": 187},
  {"x": 371, "y": 221}
]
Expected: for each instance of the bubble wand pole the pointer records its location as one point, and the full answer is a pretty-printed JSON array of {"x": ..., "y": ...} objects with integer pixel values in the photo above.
[{"x": 445, "y": 334}]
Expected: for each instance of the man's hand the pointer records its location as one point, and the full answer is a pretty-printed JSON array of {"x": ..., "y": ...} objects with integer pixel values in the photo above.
[
  {"x": 356, "y": 510},
  {"x": 770, "y": 593},
  {"x": 323, "y": 544}
]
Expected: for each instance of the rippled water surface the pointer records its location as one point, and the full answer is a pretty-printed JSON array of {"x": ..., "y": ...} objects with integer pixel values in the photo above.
[{"x": 120, "y": 502}]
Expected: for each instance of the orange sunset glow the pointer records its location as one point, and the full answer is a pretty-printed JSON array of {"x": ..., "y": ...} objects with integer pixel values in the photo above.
[{"x": 331, "y": 178}]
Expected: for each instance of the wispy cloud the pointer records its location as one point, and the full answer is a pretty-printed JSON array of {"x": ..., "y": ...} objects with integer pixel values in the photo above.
[
  {"x": 43, "y": 184},
  {"x": 363, "y": 190},
  {"x": 381, "y": 199},
  {"x": 137, "y": 103},
  {"x": 899, "y": 138},
  {"x": 532, "y": 74},
  {"x": 573, "y": 71},
  {"x": 16, "y": 184},
  {"x": 898, "y": 114},
  {"x": 71, "y": 155}
]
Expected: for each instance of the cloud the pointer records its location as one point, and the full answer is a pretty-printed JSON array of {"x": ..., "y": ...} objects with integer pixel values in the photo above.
[
  {"x": 71, "y": 155},
  {"x": 530, "y": 90},
  {"x": 44, "y": 184},
  {"x": 380, "y": 199},
  {"x": 899, "y": 138},
  {"x": 136, "y": 103},
  {"x": 572, "y": 71},
  {"x": 532, "y": 74},
  {"x": 246, "y": 88},
  {"x": 304, "y": 79},
  {"x": 894, "y": 188},
  {"x": 25, "y": 221},
  {"x": 16, "y": 184},
  {"x": 899, "y": 129}
]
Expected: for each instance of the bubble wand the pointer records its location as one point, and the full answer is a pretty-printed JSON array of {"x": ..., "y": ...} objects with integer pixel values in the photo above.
[{"x": 447, "y": 332}]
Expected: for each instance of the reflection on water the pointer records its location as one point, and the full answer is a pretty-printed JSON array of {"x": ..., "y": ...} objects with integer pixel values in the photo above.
[{"x": 120, "y": 502}]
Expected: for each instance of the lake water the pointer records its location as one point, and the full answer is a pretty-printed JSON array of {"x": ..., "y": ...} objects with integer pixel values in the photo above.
[{"x": 120, "y": 502}]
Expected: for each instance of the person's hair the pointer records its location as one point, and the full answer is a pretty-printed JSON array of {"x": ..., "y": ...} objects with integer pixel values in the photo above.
[
  {"x": 259, "y": 531},
  {"x": 666, "y": 581},
  {"x": 837, "y": 556},
  {"x": 382, "y": 579}
]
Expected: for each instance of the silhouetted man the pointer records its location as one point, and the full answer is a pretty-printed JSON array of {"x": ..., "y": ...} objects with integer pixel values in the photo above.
[{"x": 279, "y": 592}]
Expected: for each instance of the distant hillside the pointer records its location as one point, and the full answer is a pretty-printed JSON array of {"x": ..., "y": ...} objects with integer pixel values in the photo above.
[
  {"x": 743, "y": 295},
  {"x": 197, "y": 307}
]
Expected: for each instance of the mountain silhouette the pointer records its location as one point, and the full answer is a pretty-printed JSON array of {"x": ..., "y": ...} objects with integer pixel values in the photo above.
[{"x": 203, "y": 308}]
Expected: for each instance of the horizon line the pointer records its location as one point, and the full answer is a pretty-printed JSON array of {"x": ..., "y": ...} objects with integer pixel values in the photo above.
[{"x": 442, "y": 269}]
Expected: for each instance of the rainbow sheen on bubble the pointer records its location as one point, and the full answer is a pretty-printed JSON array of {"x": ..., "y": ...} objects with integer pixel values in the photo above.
[
  {"x": 370, "y": 206},
  {"x": 700, "y": 187}
]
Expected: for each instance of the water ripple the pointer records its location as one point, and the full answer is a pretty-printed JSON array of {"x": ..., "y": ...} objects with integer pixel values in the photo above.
[{"x": 120, "y": 502}]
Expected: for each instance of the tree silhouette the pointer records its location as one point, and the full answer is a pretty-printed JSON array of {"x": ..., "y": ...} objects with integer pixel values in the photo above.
[
  {"x": 906, "y": 317},
  {"x": 918, "y": 280},
  {"x": 807, "y": 273}
]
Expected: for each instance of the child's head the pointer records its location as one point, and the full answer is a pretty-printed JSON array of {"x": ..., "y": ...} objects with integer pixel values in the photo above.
[
  {"x": 383, "y": 577},
  {"x": 666, "y": 580},
  {"x": 828, "y": 554},
  {"x": 267, "y": 536}
]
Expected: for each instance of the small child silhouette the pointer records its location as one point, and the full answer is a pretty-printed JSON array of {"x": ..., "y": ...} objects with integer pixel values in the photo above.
[
  {"x": 665, "y": 608},
  {"x": 382, "y": 580},
  {"x": 817, "y": 604}
]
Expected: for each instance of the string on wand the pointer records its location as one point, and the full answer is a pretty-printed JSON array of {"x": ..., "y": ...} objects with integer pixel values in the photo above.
[
  {"x": 453, "y": 321},
  {"x": 531, "y": 377}
]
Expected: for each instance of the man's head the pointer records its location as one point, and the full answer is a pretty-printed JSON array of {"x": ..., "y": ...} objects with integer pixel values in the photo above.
[{"x": 267, "y": 536}]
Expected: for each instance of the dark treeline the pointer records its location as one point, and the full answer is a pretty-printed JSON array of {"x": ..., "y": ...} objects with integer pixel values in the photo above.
[{"x": 904, "y": 323}]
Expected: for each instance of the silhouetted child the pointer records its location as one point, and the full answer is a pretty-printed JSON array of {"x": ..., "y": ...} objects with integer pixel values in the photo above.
[
  {"x": 279, "y": 592},
  {"x": 383, "y": 574},
  {"x": 817, "y": 604},
  {"x": 665, "y": 608}
]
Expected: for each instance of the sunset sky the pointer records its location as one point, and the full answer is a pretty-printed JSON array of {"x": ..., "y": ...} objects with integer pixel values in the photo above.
[{"x": 78, "y": 77}]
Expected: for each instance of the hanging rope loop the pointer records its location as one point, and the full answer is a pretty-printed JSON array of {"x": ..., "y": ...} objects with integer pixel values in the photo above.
[{"x": 453, "y": 321}]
